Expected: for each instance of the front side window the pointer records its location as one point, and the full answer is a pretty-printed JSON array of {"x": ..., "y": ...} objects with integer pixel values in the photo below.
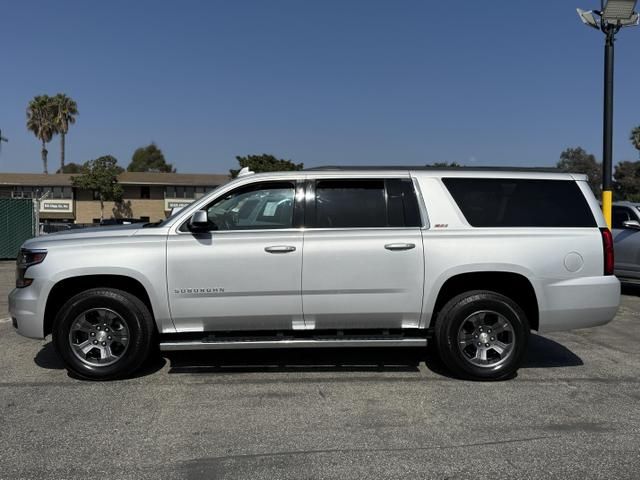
[{"x": 254, "y": 207}]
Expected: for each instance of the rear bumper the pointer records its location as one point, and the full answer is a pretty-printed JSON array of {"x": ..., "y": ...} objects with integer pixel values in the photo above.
[
  {"x": 579, "y": 303},
  {"x": 26, "y": 312}
]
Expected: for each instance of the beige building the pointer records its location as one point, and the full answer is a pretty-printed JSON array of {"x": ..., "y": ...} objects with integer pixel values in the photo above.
[{"x": 148, "y": 196}]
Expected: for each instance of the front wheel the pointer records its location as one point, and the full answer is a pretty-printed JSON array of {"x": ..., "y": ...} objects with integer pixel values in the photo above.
[
  {"x": 482, "y": 335},
  {"x": 103, "y": 333}
]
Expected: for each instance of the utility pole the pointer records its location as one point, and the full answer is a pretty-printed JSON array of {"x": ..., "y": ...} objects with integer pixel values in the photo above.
[{"x": 612, "y": 16}]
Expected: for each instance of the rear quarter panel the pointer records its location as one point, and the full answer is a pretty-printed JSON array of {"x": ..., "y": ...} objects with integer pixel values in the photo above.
[{"x": 564, "y": 265}]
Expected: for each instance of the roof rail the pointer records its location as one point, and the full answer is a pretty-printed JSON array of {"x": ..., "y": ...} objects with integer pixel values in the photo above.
[{"x": 429, "y": 167}]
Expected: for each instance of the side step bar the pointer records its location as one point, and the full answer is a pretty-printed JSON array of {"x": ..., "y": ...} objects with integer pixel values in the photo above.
[{"x": 236, "y": 344}]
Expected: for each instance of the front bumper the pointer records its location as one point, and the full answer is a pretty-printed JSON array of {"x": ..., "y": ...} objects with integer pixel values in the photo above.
[
  {"x": 27, "y": 311},
  {"x": 579, "y": 303}
]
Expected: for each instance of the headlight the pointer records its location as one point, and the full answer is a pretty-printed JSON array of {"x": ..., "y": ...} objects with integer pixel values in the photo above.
[{"x": 27, "y": 258}]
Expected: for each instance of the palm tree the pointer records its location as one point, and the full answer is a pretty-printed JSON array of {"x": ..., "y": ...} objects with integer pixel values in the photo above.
[
  {"x": 40, "y": 121},
  {"x": 635, "y": 138},
  {"x": 65, "y": 110}
]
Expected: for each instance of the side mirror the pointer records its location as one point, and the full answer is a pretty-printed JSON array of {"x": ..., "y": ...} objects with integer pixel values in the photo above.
[
  {"x": 199, "y": 222},
  {"x": 631, "y": 224}
]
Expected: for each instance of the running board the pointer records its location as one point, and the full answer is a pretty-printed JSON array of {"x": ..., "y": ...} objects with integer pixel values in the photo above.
[{"x": 236, "y": 344}]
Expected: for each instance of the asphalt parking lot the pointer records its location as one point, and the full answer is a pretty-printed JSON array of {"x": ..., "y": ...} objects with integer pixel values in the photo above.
[{"x": 573, "y": 411}]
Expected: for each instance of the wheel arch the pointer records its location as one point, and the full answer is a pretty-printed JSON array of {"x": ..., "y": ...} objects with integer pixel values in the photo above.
[
  {"x": 513, "y": 285},
  {"x": 66, "y": 288}
]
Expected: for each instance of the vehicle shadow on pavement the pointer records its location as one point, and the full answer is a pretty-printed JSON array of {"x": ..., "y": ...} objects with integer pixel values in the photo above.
[
  {"x": 543, "y": 353},
  {"x": 297, "y": 360},
  {"x": 630, "y": 289},
  {"x": 546, "y": 353},
  {"x": 48, "y": 359}
]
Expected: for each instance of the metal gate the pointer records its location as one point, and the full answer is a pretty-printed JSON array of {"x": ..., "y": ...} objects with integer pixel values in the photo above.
[{"x": 18, "y": 222}]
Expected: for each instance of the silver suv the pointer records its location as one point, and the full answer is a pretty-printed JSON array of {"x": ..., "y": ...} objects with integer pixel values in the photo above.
[{"x": 470, "y": 260}]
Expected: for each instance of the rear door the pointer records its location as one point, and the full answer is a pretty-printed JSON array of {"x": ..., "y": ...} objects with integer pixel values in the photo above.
[{"x": 363, "y": 264}]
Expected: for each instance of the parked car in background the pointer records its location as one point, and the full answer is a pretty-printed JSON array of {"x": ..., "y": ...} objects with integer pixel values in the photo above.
[
  {"x": 54, "y": 227},
  {"x": 626, "y": 240},
  {"x": 121, "y": 221}
]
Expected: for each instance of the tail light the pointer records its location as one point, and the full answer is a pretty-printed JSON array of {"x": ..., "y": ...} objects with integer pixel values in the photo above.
[{"x": 607, "y": 246}]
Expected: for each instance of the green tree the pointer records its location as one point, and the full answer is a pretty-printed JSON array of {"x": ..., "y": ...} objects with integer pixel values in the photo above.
[
  {"x": 635, "y": 138},
  {"x": 149, "y": 159},
  {"x": 100, "y": 176},
  {"x": 577, "y": 160},
  {"x": 265, "y": 163},
  {"x": 71, "y": 168},
  {"x": 627, "y": 181},
  {"x": 65, "y": 110},
  {"x": 40, "y": 121}
]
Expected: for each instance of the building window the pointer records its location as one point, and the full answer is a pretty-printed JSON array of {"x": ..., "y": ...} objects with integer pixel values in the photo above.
[
  {"x": 169, "y": 192},
  {"x": 144, "y": 219},
  {"x": 145, "y": 192},
  {"x": 23, "y": 192}
]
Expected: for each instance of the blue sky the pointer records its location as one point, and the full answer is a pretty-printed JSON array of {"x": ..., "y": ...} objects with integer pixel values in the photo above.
[{"x": 321, "y": 82}]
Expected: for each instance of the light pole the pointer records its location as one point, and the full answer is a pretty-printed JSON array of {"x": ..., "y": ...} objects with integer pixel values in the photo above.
[{"x": 612, "y": 16}]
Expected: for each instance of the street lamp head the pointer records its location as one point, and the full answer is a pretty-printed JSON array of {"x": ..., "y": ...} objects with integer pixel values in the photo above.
[
  {"x": 617, "y": 11},
  {"x": 631, "y": 22},
  {"x": 588, "y": 18}
]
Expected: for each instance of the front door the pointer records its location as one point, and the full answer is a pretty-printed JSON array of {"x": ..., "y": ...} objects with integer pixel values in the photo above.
[
  {"x": 245, "y": 273},
  {"x": 363, "y": 264}
]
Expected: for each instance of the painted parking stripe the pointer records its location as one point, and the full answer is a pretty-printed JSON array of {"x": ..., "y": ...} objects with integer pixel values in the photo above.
[{"x": 5, "y": 320}]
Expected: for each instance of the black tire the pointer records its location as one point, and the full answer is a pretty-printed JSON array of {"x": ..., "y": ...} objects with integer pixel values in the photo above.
[
  {"x": 130, "y": 309},
  {"x": 454, "y": 320}
]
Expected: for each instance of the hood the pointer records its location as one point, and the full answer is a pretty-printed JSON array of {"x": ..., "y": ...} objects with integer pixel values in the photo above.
[{"x": 83, "y": 234}]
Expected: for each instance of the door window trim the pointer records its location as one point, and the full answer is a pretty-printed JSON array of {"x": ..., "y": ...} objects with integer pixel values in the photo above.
[
  {"x": 298, "y": 209},
  {"x": 310, "y": 203}
]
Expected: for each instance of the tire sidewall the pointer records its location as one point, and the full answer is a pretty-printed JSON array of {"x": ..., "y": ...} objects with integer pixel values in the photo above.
[
  {"x": 455, "y": 313},
  {"x": 123, "y": 305}
]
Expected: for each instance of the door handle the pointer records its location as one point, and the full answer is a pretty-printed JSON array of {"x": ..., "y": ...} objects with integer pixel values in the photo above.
[
  {"x": 280, "y": 249},
  {"x": 399, "y": 246}
]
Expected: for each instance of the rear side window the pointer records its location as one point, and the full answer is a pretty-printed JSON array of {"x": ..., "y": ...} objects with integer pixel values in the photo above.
[
  {"x": 369, "y": 203},
  {"x": 496, "y": 202}
]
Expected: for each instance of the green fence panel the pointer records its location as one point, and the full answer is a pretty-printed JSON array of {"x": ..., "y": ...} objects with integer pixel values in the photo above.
[{"x": 17, "y": 224}]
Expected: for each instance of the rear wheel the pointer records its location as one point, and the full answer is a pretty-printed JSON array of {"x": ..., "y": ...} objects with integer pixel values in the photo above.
[
  {"x": 103, "y": 333},
  {"x": 482, "y": 335}
]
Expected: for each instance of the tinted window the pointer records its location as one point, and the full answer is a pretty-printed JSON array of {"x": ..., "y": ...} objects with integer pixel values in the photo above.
[
  {"x": 344, "y": 204},
  {"x": 488, "y": 202},
  {"x": 366, "y": 204},
  {"x": 620, "y": 215},
  {"x": 259, "y": 206},
  {"x": 402, "y": 204}
]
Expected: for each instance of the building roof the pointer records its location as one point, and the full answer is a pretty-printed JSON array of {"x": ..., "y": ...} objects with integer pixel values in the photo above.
[{"x": 126, "y": 178}]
